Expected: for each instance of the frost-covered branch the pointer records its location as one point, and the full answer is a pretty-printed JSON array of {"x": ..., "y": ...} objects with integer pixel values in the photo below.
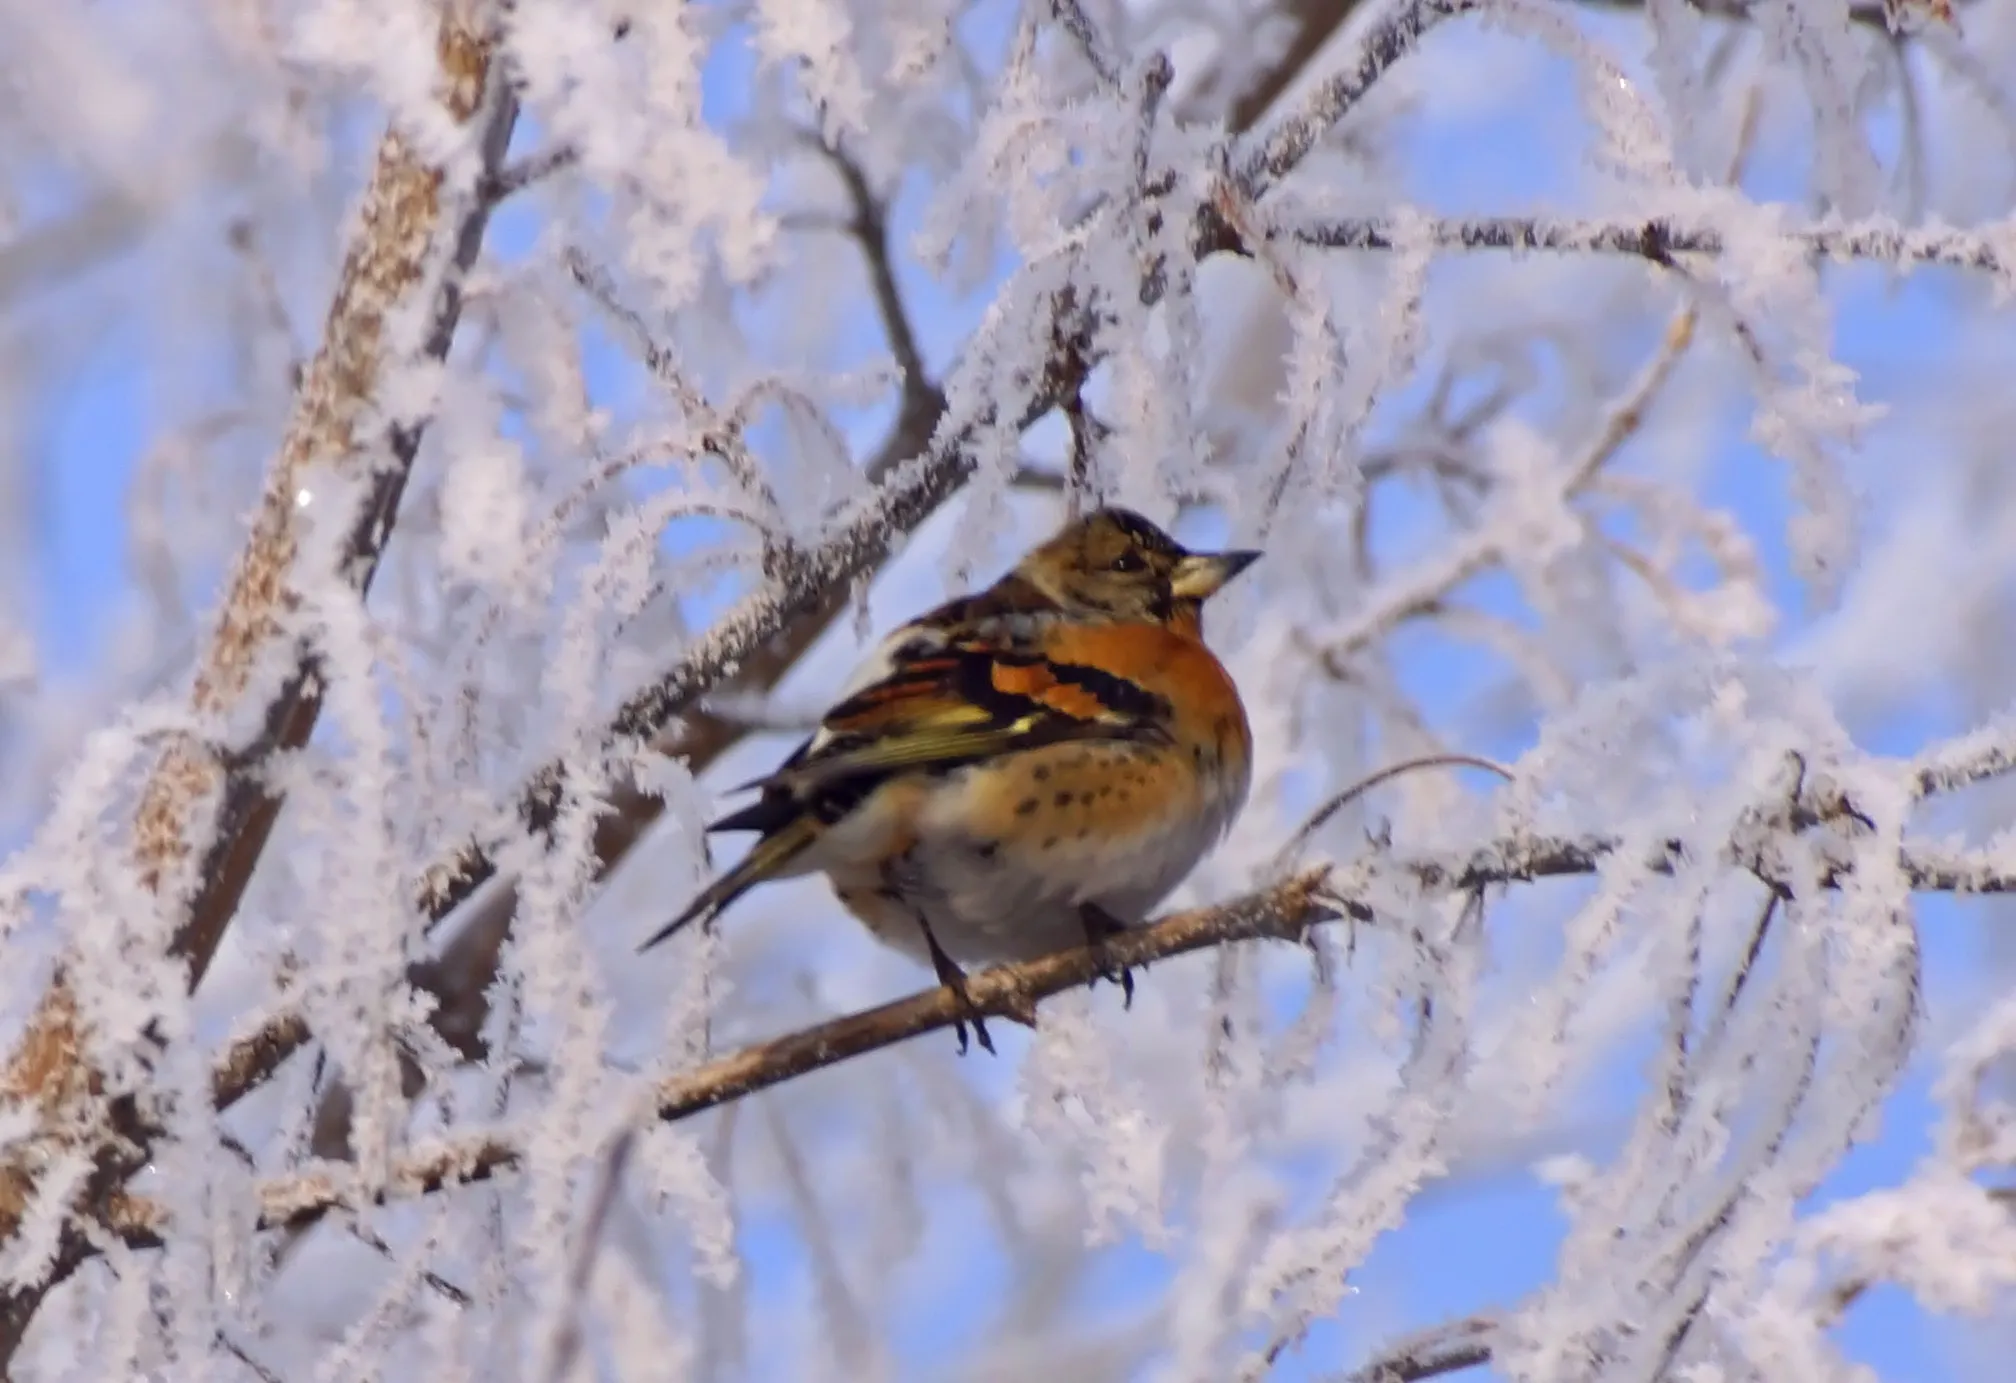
[
  {"x": 1451, "y": 1348},
  {"x": 1874, "y": 14},
  {"x": 328, "y": 506},
  {"x": 1282, "y": 911},
  {"x": 1316, "y": 23},
  {"x": 1424, "y": 588},
  {"x": 802, "y": 580},
  {"x": 1354, "y": 891},
  {"x": 1395, "y": 33},
  {"x": 248, "y": 1062},
  {"x": 1091, "y": 43},
  {"x": 397, "y": 303},
  {"x": 772, "y": 628},
  {"x": 1991, "y": 249}
]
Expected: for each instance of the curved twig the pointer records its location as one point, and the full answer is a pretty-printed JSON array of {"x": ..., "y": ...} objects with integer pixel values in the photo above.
[{"x": 1285, "y": 857}]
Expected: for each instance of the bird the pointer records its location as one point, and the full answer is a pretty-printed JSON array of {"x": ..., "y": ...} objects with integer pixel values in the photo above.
[{"x": 1027, "y": 768}]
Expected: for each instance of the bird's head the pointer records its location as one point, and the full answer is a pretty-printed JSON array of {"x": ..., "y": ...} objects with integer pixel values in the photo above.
[{"x": 1113, "y": 564}]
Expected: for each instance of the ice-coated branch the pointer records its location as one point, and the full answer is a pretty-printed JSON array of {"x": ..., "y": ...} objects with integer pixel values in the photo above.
[
  {"x": 1990, "y": 249},
  {"x": 418, "y": 236},
  {"x": 1445, "y": 1349},
  {"x": 1393, "y": 34},
  {"x": 1282, "y": 911},
  {"x": 206, "y": 812},
  {"x": 1085, "y": 34}
]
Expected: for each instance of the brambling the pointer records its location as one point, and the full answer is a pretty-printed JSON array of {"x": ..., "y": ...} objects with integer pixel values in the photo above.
[{"x": 1021, "y": 770}]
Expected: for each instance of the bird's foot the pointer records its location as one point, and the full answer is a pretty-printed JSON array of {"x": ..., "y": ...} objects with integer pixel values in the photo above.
[
  {"x": 953, "y": 978},
  {"x": 1101, "y": 927}
]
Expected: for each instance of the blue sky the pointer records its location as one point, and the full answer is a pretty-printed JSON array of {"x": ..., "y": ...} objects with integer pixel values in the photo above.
[{"x": 1457, "y": 1253}]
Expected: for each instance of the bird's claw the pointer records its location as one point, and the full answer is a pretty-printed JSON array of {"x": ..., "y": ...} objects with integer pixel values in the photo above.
[
  {"x": 953, "y": 978},
  {"x": 1100, "y": 927},
  {"x": 979, "y": 1032}
]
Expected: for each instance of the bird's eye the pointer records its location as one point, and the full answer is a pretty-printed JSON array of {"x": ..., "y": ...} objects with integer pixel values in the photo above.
[{"x": 1129, "y": 560}]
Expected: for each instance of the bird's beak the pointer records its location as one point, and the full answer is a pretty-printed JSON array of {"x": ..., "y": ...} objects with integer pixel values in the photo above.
[{"x": 1204, "y": 574}]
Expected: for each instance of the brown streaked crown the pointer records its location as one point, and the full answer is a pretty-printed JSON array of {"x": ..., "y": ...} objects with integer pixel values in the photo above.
[{"x": 1113, "y": 564}]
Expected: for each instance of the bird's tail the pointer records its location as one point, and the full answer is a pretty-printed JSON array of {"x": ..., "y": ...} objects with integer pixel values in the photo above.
[{"x": 766, "y": 859}]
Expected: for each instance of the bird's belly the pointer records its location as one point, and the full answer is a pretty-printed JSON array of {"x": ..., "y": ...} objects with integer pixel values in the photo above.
[{"x": 990, "y": 898}]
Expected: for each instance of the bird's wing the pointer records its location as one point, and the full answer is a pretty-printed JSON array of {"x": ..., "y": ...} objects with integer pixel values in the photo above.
[{"x": 953, "y": 696}]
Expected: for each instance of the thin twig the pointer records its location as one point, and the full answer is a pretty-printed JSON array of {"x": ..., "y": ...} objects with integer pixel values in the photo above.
[
  {"x": 1091, "y": 43},
  {"x": 718, "y": 435},
  {"x": 1451, "y": 1348},
  {"x": 259, "y": 268},
  {"x": 1285, "y": 858},
  {"x": 250, "y": 1061},
  {"x": 581, "y": 1269},
  {"x": 870, "y": 229},
  {"x": 230, "y": 1346},
  {"x": 1390, "y": 38},
  {"x": 534, "y": 168}
]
